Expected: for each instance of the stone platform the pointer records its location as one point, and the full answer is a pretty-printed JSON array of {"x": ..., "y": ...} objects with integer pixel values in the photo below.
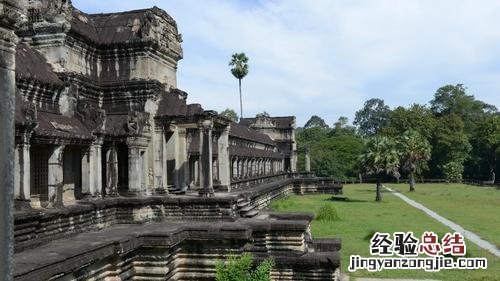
[
  {"x": 173, "y": 237},
  {"x": 183, "y": 250}
]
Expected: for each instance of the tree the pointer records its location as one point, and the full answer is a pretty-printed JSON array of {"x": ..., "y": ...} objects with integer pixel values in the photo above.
[
  {"x": 372, "y": 117},
  {"x": 379, "y": 157},
  {"x": 488, "y": 136},
  {"x": 449, "y": 143},
  {"x": 262, "y": 115},
  {"x": 315, "y": 121},
  {"x": 229, "y": 114},
  {"x": 452, "y": 99},
  {"x": 239, "y": 62},
  {"x": 341, "y": 127},
  {"x": 341, "y": 122},
  {"x": 240, "y": 269},
  {"x": 415, "y": 152},
  {"x": 417, "y": 117}
]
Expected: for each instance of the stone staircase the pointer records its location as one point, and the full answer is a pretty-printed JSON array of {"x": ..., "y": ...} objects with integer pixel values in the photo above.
[{"x": 245, "y": 208}]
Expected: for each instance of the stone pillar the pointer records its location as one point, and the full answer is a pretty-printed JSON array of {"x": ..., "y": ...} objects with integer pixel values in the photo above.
[
  {"x": 112, "y": 172},
  {"x": 245, "y": 168},
  {"x": 87, "y": 171},
  {"x": 55, "y": 179},
  {"x": 206, "y": 179},
  {"x": 164, "y": 172},
  {"x": 196, "y": 167},
  {"x": 235, "y": 168},
  {"x": 95, "y": 176},
  {"x": 134, "y": 170},
  {"x": 307, "y": 161},
  {"x": 22, "y": 175},
  {"x": 223, "y": 159},
  {"x": 181, "y": 161},
  {"x": 12, "y": 15},
  {"x": 158, "y": 144}
]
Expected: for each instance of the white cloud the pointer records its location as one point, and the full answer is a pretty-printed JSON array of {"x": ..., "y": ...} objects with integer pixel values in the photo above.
[{"x": 327, "y": 57}]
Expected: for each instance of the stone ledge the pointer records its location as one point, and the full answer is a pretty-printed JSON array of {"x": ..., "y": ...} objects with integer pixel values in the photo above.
[{"x": 67, "y": 258}]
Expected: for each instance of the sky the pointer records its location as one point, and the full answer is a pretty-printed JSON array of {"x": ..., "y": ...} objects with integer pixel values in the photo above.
[{"x": 326, "y": 58}]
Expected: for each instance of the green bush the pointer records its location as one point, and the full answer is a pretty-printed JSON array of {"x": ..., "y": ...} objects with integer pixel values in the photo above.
[
  {"x": 240, "y": 269},
  {"x": 327, "y": 212}
]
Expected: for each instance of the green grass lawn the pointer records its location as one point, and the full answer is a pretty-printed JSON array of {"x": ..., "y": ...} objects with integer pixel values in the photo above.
[
  {"x": 475, "y": 208},
  {"x": 361, "y": 216}
]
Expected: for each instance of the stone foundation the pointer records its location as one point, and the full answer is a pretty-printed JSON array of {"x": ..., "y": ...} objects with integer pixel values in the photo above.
[
  {"x": 174, "y": 250},
  {"x": 169, "y": 238}
]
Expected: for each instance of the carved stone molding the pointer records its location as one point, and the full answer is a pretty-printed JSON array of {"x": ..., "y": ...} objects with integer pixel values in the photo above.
[{"x": 90, "y": 115}]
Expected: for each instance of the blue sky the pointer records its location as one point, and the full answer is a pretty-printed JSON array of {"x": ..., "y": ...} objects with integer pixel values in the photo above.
[{"x": 327, "y": 57}]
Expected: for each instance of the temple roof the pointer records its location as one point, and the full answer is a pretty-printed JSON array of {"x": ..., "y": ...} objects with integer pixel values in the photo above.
[
  {"x": 252, "y": 152},
  {"x": 56, "y": 125},
  {"x": 121, "y": 27},
  {"x": 31, "y": 65},
  {"x": 244, "y": 132},
  {"x": 173, "y": 104},
  {"x": 283, "y": 122}
]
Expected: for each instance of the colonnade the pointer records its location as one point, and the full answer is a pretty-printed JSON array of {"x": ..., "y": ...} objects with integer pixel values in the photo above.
[{"x": 251, "y": 167}]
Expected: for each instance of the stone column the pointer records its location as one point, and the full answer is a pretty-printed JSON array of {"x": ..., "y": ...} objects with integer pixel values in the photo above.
[
  {"x": 96, "y": 168},
  {"x": 164, "y": 172},
  {"x": 12, "y": 15},
  {"x": 22, "y": 176},
  {"x": 181, "y": 161},
  {"x": 196, "y": 168},
  {"x": 134, "y": 172},
  {"x": 307, "y": 161},
  {"x": 159, "y": 159},
  {"x": 55, "y": 179},
  {"x": 235, "y": 168},
  {"x": 111, "y": 172},
  {"x": 245, "y": 168},
  {"x": 223, "y": 159},
  {"x": 87, "y": 171},
  {"x": 206, "y": 179}
]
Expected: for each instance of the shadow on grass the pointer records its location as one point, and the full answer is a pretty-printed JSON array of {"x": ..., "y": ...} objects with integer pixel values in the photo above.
[{"x": 345, "y": 200}]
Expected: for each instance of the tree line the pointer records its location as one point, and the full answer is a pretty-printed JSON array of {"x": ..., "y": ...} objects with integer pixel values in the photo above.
[{"x": 454, "y": 136}]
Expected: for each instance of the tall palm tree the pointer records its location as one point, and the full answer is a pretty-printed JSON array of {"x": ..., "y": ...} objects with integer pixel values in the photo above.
[
  {"x": 415, "y": 152},
  {"x": 239, "y": 62},
  {"x": 380, "y": 157}
]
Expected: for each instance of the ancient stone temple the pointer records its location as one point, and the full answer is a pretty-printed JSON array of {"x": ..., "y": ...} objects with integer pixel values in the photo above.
[{"x": 104, "y": 141}]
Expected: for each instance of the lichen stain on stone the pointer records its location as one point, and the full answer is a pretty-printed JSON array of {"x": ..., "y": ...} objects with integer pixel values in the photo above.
[
  {"x": 83, "y": 18},
  {"x": 136, "y": 26}
]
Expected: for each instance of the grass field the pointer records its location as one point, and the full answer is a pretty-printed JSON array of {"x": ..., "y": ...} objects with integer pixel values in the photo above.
[
  {"x": 361, "y": 216},
  {"x": 475, "y": 208}
]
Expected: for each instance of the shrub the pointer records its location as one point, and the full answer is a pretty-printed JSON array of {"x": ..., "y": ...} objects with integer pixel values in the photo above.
[
  {"x": 453, "y": 171},
  {"x": 327, "y": 212},
  {"x": 240, "y": 269}
]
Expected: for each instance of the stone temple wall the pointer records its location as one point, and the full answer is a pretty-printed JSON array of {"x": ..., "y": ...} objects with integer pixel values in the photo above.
[{"x": 35, "y": 228}]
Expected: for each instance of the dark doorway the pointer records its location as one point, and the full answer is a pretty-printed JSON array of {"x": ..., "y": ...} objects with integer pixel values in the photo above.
[
  {"x": 72, "y": 170},
  {"x": 122, "y": 151},
  {"x": 39, "y": 171}
]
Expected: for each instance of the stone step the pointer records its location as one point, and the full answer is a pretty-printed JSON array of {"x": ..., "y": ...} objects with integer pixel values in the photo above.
[
  {"x": 246, "y": 209},
  {"x": 250, "y": 214},
  {"x": 242, "y": 204}
]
